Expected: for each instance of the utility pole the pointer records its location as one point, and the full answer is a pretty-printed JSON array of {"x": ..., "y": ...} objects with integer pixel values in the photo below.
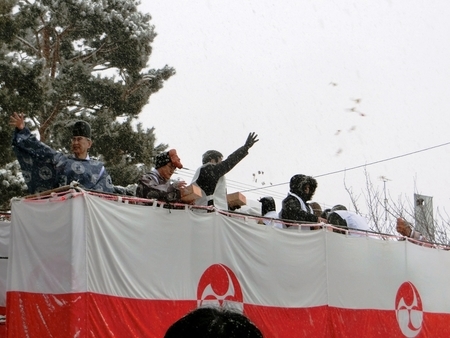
[{"x": 385, "y": 179}]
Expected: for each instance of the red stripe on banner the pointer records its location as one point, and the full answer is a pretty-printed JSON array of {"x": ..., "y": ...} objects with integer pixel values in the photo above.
[
  {"x": 93, "y": 315},
  {"x": 2, "y": 323},
  {"x": 124, "y": 317},
  {"x": 45, "y": 315},
  {"x": 90, "y": 315},
  {"x": 289, "y": 322}
]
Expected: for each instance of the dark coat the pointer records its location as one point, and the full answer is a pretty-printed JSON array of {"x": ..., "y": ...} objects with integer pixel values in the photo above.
[
  {"x": 291, "y": 209},
  {"x": 210, "y": 173},
  {"x": 152, "y": 185}
]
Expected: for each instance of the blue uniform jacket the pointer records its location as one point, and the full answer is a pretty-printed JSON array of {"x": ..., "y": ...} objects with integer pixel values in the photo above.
[{"x": 44, "y": 168}]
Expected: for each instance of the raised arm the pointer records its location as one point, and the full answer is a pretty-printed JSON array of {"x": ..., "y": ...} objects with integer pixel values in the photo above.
[
  {"x": 17, "y": 121},
  {"x": 25, "y": 142},
  {"x": 251, "y": 140},
  {"x": 230, "y": 162}
]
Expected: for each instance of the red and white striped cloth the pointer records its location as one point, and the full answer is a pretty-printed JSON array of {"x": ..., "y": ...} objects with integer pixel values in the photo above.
[{"x": 90, "y": 267}]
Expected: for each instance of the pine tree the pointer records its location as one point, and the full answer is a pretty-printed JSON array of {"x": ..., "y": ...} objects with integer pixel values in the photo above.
[{"x": 64, "y": 60}]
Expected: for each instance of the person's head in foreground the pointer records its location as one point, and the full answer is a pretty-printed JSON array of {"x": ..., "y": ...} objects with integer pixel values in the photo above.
[{"x": 213, "y": 322}]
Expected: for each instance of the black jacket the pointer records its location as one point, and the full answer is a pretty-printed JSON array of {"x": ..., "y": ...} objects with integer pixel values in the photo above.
[
  {"x": 210, "y": 173},
  {"x": 291, "y": 209}
]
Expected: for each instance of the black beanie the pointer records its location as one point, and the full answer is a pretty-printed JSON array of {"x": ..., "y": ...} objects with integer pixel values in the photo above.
[{"x": 162, "y": 159}]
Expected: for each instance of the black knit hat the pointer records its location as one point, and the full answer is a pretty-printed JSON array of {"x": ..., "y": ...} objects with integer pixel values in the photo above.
[
  {"x": 81, "y": 128},
  {"x": 168, "y": 157},
  {"x": 162, "y": 159}
]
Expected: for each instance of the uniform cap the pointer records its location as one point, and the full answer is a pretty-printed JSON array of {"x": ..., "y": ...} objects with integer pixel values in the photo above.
[{"x": 81, "y": 128}]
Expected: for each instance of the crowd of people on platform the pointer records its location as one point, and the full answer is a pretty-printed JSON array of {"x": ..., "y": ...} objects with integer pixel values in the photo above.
[
  {"x": 44, "y": 168},
  {"x": 297, "y": 207}
]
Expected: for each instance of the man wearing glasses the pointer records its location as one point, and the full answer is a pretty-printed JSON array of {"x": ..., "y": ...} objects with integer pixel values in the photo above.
[
  {"x": 157, "y": 183},
  {"x": 44, "y": 168}
]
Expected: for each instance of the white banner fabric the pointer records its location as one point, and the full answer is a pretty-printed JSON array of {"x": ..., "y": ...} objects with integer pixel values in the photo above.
[
  {"x": 4, "y": 245},
  {"x": 90, "y": 244}
]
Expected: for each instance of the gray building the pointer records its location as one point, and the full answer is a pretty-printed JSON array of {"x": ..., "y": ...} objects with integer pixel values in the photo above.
[{"x": 423, "y": 215}]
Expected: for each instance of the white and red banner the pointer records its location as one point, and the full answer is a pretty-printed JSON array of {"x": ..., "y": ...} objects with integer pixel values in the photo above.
[
  {"x": 4, "y": 245},
  {"x": 89, "y": 267}
]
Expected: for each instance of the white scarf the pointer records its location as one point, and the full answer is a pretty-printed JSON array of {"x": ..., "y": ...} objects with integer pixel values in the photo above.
[
  {"x": 305, "y": 207},
  {"x": 220, "y": 192}
]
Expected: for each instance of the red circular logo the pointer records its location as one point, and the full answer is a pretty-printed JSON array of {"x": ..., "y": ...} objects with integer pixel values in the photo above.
[
  {"x": 219, "y": 286},
  {"x": 408, "y": 309}
]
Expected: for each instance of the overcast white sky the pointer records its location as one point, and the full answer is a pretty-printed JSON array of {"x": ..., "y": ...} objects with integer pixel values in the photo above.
[{"x": 290, "y": 71}]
